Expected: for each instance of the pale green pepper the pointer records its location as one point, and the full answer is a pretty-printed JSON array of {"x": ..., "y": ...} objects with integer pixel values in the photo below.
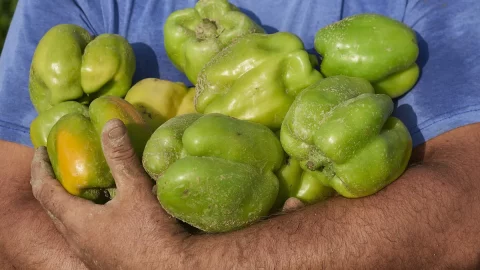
[
  {"x": 256, "y": 78},
  {"x": 192, "y": 36},
  {"x": 371, "y": 46},
  {"x": 70, "y": 64}
]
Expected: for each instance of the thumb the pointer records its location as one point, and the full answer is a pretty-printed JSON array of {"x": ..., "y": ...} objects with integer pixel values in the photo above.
[
  {"x": 292, "y": 204},
  {"x": 125, "y": 165}
]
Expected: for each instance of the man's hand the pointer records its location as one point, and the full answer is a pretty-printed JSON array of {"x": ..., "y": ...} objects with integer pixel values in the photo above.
[
  {"x": 426, "y": 219},
  {"x": 119, "y": 234}
]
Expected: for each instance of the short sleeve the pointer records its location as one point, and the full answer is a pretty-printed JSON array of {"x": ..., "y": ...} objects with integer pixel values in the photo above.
[
  {"x": 32, "y": 19},
  {"x": 447, "y": 95}
]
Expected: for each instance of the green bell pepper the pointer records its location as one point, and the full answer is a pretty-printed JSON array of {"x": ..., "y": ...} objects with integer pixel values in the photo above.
[
  {"x": 193, "y": 36},
  {"x": 256, "y": 78},
  {"x": 371, "y": 46},
  {"x": 343, "y": 133},
  {"x": 69, "y": 64},
  {"x": 214, "y": 172}
]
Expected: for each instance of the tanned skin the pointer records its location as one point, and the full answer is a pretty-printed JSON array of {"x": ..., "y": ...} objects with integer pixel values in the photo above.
[
  {"x": 28, "y": 238},
  {"x": 427, "y": 219}
]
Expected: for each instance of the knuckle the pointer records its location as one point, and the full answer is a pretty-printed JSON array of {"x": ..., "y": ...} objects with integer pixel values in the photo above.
[{"x": 123, "y": 152}]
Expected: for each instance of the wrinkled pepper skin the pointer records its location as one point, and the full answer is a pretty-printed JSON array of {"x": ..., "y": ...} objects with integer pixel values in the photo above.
[
  {"x": 75, "y": 151},
  {"x": 43, "y": 123},
  {"x": 159, "y": 100},
  {"x": 256, "y": 78},
  {"x": 371, "y": 46},
  {"x": 193, "y": 36},
  {"x": 301, "y": 184},
  {"x": 343, "y": 132},
  {"x": 214, "y": 172},
  {"x": 69, "y": 64}
]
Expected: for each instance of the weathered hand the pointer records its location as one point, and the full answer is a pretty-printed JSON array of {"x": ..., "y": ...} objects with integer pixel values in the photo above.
[
  {"x": 129, "y": 231},
  {"x": 118, "y": 234},
  {"x": 439, "y": 196}
]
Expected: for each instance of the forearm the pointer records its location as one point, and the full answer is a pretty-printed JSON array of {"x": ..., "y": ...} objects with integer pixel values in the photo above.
[
  {"x": 418, "y": 222},
  {"x": 28, "y": 239},
  {"x": 4, "y": 263}
]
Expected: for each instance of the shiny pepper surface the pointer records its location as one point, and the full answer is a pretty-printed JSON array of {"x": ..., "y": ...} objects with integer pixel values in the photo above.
[
  {"x": 75, "y": 150},
  {"x": 256, "y": 78},
  {"x": 159, "y": 100},
  {"x": 71, "y": 65}
]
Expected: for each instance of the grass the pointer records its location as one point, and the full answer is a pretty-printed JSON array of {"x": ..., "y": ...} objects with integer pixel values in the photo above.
[{"x": 7, "y": 8}]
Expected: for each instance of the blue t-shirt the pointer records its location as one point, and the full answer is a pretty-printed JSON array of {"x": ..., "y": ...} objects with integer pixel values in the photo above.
[{"x": 446, "y": 96}]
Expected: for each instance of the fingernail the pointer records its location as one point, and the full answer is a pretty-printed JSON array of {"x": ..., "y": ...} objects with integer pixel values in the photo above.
[{"x": 116, "y": 132}]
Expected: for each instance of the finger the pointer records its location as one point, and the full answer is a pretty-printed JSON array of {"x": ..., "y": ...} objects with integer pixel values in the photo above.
[
  {"x": 292, "y": 204},
  {"x": 58, "y": 224},
  {"x": 124, "y": 164},
  {"x": 50, "y": 193}
]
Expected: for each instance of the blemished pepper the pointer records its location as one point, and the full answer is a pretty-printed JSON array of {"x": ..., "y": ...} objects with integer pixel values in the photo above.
[
  {"x": 213, "y": 171},
  {"x": 343, "y": 134},
  {"x": 193, "y": 36}
]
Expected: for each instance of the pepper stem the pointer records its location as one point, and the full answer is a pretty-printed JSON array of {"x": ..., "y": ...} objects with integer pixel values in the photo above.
[
  {"x": 206, "y": 29},
  {"x": 320, "y": 164}
]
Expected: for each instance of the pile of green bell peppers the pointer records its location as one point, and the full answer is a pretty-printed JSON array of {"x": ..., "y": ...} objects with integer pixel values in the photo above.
[{"x": 267, "y": 121}]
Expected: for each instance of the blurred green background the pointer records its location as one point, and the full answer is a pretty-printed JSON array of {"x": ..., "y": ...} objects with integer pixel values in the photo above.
[{"x": 7, "y": 7}]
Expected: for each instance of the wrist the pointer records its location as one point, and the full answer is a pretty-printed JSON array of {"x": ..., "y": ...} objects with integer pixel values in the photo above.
[{"x": 173, "y": 252}]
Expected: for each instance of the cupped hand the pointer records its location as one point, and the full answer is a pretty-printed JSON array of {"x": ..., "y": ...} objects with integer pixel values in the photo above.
[{"x": 129, "y": 232}]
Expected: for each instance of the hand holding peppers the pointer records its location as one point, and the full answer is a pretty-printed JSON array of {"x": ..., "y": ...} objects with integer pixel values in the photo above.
[
  {"x": 75, "y": 150},
  {"x": 216, "y": 160}
]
